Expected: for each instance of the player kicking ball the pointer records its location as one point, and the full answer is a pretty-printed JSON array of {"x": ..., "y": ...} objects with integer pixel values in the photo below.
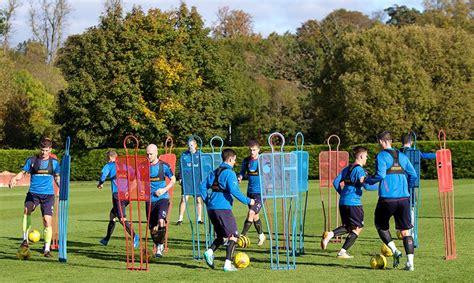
[
  {"x": 217, "y": 191},
  {"x": 348, "y": 185}
]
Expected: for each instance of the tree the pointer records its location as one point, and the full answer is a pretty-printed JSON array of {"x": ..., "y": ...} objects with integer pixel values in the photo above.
[
  {"x": 6, "y": 25},
  {"x": 150, "y": 74},
  {"x": 402, "y": 15},
  {"x": 232, "y": 23},
  {"x": 47, "y": 22},
  {"x": 449, "y": 13}
]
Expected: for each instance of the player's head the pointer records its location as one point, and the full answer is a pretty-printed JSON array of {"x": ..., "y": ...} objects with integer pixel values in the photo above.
[
  {"x": 384, "y": 139},
  {"x": 407, "y": 140},
  {"x": 152, "y": 153},
  {"x": 360, "y": 155},
  {"x": 192, "y": 145},
  {"x": 111, "y": 155},
  {"x": 229, "y": 156},
  {"x": 45, "y": 147},
  {"x": 254, "y": 148}
]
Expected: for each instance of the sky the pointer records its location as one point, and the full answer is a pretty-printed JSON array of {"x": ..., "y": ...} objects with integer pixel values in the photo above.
[{"x": 268, "y": 16}]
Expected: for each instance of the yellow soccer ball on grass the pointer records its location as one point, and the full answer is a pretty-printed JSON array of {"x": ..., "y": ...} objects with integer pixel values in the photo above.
[
  {"x": 243, "y": 242},
  {"x": 241, "y": 260},
  {"x": 386, "y": 251},
  {"x": 378, "y": 262},
  {"x": 34, "y": 236}
]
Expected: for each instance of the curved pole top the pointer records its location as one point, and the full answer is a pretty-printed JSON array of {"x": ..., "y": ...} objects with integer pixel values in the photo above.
[
  {"x": 300, "y": 148},
  {"x": 338, "y": 142},
  {"x": 413, "y": 134},
  {"x": 132, "y": 138},
  {"x": 68, "y": 145},
  {"x": 169, "y": 140},
  {"x": 442, "y": 141},
  {"x": 270, "y": 140},
  {"x": 212, "y": 145}
]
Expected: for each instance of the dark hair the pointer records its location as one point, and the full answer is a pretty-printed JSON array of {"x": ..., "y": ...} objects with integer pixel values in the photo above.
[
  {"x": 253, "y": 143},
  {"x": 228, "y": 153},
  {"x": 45, "y": 142},
  {"x": 384, "y": 136},
  {"x": 357, "y": 150},
  {"x": 407, "y": 138}
]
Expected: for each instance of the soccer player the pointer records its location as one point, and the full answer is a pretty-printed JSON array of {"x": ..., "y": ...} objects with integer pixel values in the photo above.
[
  {"x": 191, "y": 154},
  {"x": 159, "y": 170},
  {"x": 407, "y": 141},
  {"x": 250, "y": 168},
  {"x": 395, "y": 175},
  {"x": 43, "y": 169},
  {"x": 222, "y": 185},
  {"x": 109, "y": 172},
  {"x": 348, "y": 185}
]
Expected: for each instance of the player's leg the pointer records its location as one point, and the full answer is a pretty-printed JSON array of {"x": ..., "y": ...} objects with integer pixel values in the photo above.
[
  {"x": 256, "y": 218},
  {"x": 162, "y": 210},
  {"x": 182, "y": 209},
  {"x": 355, "y": 221},
  {"x": 403, "y": 223},
  {"x": 29, "y": 206},
  {"x": 199, "y": 207},
  {"x": 228, "y": 224},
  {"x": 47, "y": 206},
  {"x": 110, "y": 228},
  {"x": 383, "y": 213},
  {"x": 122, "y": 216},
  {"x": 248, "y": 222},
  {"x": 341, "y": 230},
  {"x": 218, "y": 241}
]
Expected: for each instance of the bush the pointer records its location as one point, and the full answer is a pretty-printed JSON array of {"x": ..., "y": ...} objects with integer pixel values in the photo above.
[{"x": 86, "y": 165}]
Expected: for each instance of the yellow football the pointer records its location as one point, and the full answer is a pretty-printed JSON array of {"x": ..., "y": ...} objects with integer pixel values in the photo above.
[
  {"x": 243, "y": 242},
  {"x": 34, "y": 236},
  {"x": 386, "y": 251},
  {"x": 378, "y": 262},
  {"x": 241, "y": 260}
]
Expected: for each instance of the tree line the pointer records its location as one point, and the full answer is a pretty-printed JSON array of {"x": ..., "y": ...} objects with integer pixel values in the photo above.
[{"x": 156, "y": 73}]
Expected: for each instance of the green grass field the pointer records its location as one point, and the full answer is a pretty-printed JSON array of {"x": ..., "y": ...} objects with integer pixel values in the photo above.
[{"x": 88, "y": 260}]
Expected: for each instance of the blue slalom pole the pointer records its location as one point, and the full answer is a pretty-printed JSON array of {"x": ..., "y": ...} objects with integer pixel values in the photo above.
[{"x": 64, "y": 202}]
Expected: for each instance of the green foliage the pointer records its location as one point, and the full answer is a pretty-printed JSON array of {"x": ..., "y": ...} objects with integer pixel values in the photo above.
[
  {"x": 86, "y": 164},
  {"x": 150, "y": 74},
  {"x": 402, "y": 15}
]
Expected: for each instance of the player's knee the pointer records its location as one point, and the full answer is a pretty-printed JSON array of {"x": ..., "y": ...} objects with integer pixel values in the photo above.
[
  {"x": 232, "y": 238},
  {"x": 29, "y": 208},
  {"x": 405, "y": 233},
  {"x": 357, "y": 230},
  {"x": 162, "y": 223}
]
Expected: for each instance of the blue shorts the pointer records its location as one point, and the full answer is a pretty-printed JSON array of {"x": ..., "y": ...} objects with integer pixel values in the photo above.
[
  {"x": 224, "y": 223},
  {"x": 258, "y": 202},
  {"x": 352, "y": 216},
  {"x": 46, "y": 201},
  {"x": 159, "y": 210},
  {"x": 118, "y": 207},
  {"x": 398, "y": 208}
]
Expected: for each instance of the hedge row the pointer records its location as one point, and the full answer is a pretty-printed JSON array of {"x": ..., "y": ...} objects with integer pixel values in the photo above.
[{"x": 86, "y": 165}]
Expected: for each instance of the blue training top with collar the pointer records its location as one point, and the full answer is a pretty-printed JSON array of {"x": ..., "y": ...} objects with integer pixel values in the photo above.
[
  {"x": 229, "y": 187},
  {"x": 109, "y": 171},
  {"x": 158, "y": 174},
  {"x": 42, "y": 174},
  {"x": 393, "y": 185},
  {"x": 351, "y": 193},
  {"x": 250, "y": 168}
]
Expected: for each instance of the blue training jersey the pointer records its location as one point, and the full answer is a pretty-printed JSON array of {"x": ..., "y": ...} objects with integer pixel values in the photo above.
[
  {"x": 159, "y": 184},
  {"x": 351, "y": 193},
  {"x": 393, "y": 185},
  {"x": 109, "y": 171},
  {"x": 42, "y": 183},
  {"x": 229, "y": 186},
  {"x": 250, "y": 168},
  {"x": 423, "y": 155}
]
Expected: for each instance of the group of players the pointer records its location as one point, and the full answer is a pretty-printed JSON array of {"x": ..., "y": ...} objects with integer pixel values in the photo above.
[{"x": 394, "y": 178}]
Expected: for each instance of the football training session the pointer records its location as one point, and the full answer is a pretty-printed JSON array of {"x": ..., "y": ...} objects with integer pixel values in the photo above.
[{"x": 267, "y": 141}]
